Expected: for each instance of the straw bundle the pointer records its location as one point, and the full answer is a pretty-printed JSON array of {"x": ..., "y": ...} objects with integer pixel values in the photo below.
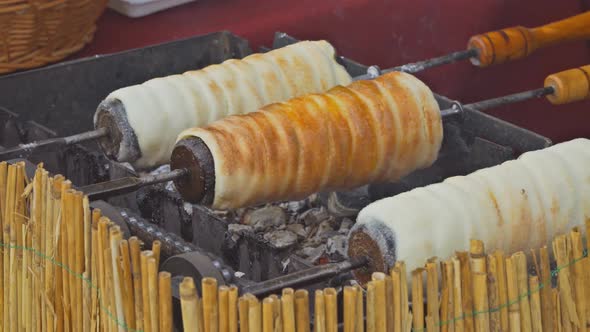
[
  {"x": 64, "y": 267},
  {"x": 505, "y": 293}
]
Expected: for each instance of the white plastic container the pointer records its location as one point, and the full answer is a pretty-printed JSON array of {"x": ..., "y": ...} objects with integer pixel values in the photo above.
[{"x": 139, "y": 8}]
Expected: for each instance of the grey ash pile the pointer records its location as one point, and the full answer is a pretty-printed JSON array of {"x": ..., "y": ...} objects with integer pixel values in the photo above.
[{"x": 315, "y": 228}]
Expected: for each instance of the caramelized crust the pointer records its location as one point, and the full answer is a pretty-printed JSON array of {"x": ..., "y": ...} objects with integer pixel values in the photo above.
[{"x": 369, "y": 131}]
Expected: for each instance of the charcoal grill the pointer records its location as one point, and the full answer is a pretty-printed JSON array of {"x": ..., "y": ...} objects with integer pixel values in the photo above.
[{"x": 66, "y": 96}]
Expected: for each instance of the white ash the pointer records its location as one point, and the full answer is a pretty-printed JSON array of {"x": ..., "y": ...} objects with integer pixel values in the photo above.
[
  {"x": 336, "y": 247},
  {"x": 188, "y": 207},
  {"x": 285, "y": 264},
  {"x": 313, "y": 241},
  {"x": 325, "y": 229},
  {"x": 27, "y": 146},
  {"x": 313, "y": 254},
  {"x": 170, "y": 186},
  {"x": 281, "y": 239},
  {"x": 237, "y": 230},
  {"x": 306, "y": 226},
  {"x": 313, "y": 216},
  {"x": 239, "y": 274},
  {"x": 160, "y": 170},
  {"x": 294, "y": 207},
  {"x": 297, "y": 229},
  {"x": 265, "y": 218},
  {"x": 345, "y": 226}
]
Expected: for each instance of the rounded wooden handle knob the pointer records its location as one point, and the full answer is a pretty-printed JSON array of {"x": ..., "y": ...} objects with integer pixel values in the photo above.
[
  {"x": 518, "y": 42},
  {"x": 569, "y": 86},
  {"x": 501, "y": 46}
]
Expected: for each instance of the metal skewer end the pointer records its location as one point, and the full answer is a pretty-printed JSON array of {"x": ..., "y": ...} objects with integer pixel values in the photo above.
[
  {"x": 22, "y": 150},
  {"x": 457, "y": 108},
  {"x": 128, "y": 184},
  {"x": 412, "y": 68}
]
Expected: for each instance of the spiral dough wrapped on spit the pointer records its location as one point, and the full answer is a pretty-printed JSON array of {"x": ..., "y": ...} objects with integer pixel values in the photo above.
[
  {"x": 518, "y": 205},
  {"x": 374, "y": 130},
  {"x": 159, "y": 109}
]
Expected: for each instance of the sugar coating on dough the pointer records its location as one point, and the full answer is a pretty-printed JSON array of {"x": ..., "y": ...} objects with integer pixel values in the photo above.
[
  {"x": 159, "y": 109},
  {"x": 514, "y": 206},
  {"x": 369, "y": 131}
]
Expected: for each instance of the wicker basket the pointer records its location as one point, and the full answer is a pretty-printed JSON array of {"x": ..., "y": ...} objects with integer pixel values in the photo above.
[{"x": 37, "y": 32}]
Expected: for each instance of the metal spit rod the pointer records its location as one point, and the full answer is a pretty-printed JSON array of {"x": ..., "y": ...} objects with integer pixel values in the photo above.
[
  {"x": 305, "y": 277},
  {"x": 497, "y": 47},
  {"x": 499, "y": 101},
  {"x": 130, "y": 184},
  {"x": 27, "y": 148}
]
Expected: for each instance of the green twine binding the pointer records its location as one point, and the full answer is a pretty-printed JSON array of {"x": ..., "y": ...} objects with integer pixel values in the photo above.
[
  {"x": 77, "y": 275},
  {"x": 522, "y": 296},
  {"x": 554, "y": 273}
]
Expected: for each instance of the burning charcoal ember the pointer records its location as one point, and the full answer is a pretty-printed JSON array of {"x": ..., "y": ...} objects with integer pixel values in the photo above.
[
  {"x": 265, "y": 218},
  {"x": 313, "y": 254},
  {"x": 345, "y": 226},
  {"x": 281, "y": 239},
  {"x": 336, "y": 247},
  {"x": 297, "y": 229},
  {"x": 346, "y": 203},
  {"x": 313, "y": 216}
]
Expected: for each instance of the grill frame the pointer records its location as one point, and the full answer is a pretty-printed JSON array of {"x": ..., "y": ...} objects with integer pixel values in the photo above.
[{"x": 471, "y": 142}]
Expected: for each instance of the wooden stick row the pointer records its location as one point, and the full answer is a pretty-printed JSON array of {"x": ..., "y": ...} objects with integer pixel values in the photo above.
[
  {"x": 65, "y": 268},
  {"x": 471, "y": 291},
  {"x": 219, "y": 309}
]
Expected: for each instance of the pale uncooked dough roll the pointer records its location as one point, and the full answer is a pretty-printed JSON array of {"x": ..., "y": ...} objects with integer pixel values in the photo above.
[
  {"x": 518, "y": 205},
  {"x": 159, "y": 109},
  {"x": 374, "y": 130}
]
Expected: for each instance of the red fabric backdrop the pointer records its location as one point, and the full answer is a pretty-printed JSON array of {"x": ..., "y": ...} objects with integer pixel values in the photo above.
[{"x": 387, "y": 33}]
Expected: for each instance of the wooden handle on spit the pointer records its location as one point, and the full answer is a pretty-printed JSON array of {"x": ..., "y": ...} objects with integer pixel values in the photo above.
[
  {"x": 569, "y": 85},
  {"x": 518, "y": 42}
]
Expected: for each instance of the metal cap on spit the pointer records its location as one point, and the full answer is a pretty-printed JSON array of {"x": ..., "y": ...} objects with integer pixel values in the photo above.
[
  {"x": 120, "y": 143},
  {"x": 377, "y": 243},
  {"x": 198, "y": 186}
]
